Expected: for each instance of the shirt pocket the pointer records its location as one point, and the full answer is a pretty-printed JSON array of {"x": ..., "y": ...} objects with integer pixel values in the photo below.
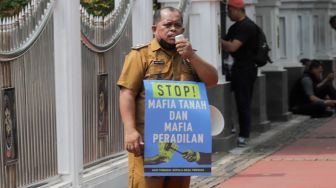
[
  {"x": 157, "y": 71},
  {"x": 187, "y": 73}
]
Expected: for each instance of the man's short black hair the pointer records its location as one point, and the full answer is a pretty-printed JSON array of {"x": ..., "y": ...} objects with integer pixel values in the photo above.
[
  {"x": 304, "y": 61},
  {"x": 157, "y": 14},
  {"x": 314, "y": 64}
]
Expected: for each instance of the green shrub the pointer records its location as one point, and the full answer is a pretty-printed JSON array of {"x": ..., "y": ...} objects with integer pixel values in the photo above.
[
  {"x": 98, "y": 7},
  {"x": 156, "y": 5},
  {"x": 11, "y": 7}
]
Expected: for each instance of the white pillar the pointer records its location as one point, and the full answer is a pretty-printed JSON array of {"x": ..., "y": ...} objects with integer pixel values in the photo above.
[
  {"x": 169, "y": 3},
  {"x": 250, "y": 9},
  {"x": 204, "y": 29},
  {"x": 308, "y": 48},
  {"x": 142, "y": 21},
  {"x": 267, "y": 16},
  {"x": 323, "y": 36},
  {"x": 68, "y": 90}
]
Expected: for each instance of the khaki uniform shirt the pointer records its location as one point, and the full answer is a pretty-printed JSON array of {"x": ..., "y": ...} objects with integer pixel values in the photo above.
[{"x": 151, "y": 62}]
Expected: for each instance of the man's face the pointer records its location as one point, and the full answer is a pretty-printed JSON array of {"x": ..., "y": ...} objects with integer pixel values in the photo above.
[
  {"x": 306, "y": 65},
  {"x": 317, "y": 72},
  {"x": 232, "y": 12},
  {"x": 168, "y": 27}
]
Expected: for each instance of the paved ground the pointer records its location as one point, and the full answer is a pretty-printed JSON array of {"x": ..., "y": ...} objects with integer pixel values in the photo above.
[{"x": 307, "y": 161}]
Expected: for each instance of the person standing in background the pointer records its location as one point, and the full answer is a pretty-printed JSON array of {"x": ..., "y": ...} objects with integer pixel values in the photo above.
[{"x": 241, "y": 43}]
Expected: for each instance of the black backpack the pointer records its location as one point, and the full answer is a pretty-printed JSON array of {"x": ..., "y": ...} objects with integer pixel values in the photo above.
[{"x": 262, "y": 49}]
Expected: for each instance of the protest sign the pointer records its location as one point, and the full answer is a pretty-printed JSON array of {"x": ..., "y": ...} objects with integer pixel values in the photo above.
[{"x": 177, "y": 129}]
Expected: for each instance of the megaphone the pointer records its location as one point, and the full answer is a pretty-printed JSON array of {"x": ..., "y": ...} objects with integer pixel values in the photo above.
[{"x": 217, "y": 121}]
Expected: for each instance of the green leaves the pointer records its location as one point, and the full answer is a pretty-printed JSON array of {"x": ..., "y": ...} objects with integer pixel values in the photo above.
[
  {"x": 156, "y": 5},
  {"x": 11, "y": 7},
  {"x": 98, "y": 7}
]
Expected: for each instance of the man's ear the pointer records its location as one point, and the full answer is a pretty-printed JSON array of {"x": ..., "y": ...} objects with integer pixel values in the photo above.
[{"x": 153, "y": 28}]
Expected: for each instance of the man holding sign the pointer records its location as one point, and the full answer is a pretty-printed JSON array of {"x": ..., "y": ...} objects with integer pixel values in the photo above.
[{"x": 162, "y": 59}]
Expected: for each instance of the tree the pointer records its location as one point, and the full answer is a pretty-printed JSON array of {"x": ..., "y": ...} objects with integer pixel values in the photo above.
[
  {"x": 98, "y": 7},
  {"x": 156, "y": 5},
  {"x": 11, "y": 7}
]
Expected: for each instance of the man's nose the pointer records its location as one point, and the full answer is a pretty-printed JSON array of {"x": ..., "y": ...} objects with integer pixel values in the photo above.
[{"x": 172, "y": 28}]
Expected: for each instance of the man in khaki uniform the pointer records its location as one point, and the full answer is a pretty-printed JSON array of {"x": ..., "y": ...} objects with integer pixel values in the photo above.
[{"x": 161, "y": 59}]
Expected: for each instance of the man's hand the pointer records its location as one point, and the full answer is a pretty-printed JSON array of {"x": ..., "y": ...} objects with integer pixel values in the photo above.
[
  {"x": 330, "y": 77},
  {"x": 133, "y": 142},
  {"x": 191, "y": 156},
  {"x": 331, "y": 103},
  {"x": 184, "y": 48}
]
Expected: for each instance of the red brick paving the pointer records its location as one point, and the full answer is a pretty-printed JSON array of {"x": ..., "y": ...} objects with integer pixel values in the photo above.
[
  {"x": 308, "y": 163},
  {"x": 308, "y": 149},
  {"x": 286, "y": 174}
]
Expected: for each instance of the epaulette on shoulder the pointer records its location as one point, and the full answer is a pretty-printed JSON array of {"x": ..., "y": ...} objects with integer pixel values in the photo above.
[{"x": 139, "y": 46}]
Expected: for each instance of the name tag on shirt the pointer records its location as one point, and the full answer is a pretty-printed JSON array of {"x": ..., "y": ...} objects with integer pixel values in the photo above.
[{"x": 158, "y": 62}]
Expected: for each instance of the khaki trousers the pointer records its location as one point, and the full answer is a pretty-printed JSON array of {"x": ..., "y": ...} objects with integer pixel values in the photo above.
[{"x": 136, "y": 178}]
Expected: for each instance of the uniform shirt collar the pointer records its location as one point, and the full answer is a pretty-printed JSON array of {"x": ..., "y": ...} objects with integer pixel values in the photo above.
[{"x": 154, "y": 45}]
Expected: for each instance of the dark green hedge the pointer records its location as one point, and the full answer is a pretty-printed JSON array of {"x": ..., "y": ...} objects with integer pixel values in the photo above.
[
  {"x": 11, "y": 7},
  {"x": 95, "y": 7},
  {"x": 98, "y": 7},
  {"x": 156, "y": 5}
]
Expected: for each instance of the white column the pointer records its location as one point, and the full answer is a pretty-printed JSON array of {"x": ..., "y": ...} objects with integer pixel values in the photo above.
[
  {"x": 290, "y": 38},
  {"x": 204, "y": 29},
  {"x": 142, "y": 21},
  {"x": 68, "y": 90},
  {"x": 169, "y": 3},
  {"x": 267, "y": 13},
  {"x": 250, "y": 9},
  {"x": 308, "y": 34}
]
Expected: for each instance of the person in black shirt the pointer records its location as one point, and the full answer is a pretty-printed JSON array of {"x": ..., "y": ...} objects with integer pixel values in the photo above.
[
  {"x": 241, "y": 43},
  {"x": 310, "y": 97}
]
